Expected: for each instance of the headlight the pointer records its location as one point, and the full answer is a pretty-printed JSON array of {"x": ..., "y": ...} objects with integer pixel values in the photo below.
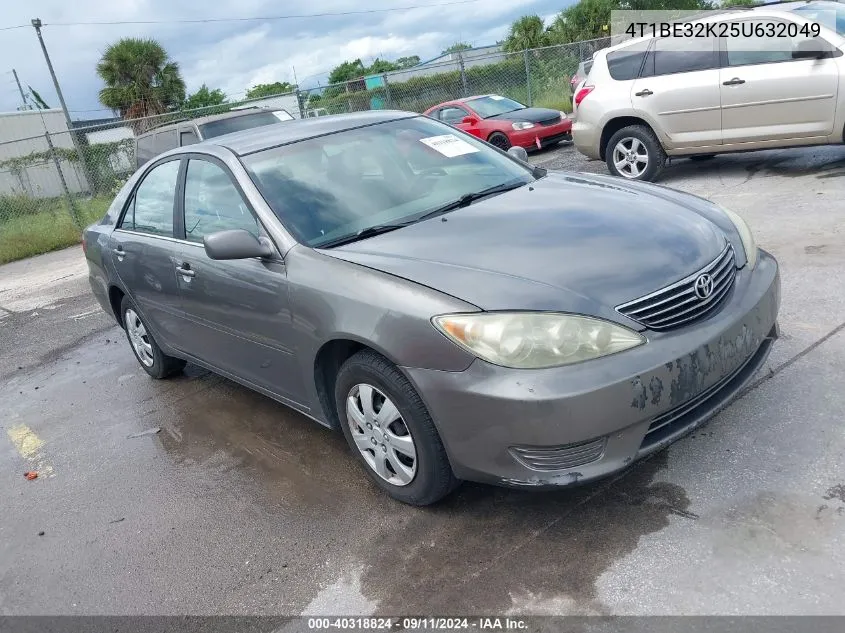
[
  {"x": 522, "y": 125},
  {"x": 533, "y": 340},
  {"x": 745, "y": 235}
]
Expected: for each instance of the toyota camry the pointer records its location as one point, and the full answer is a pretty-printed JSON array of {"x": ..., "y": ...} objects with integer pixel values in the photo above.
[{"x": 456, "y": 312}]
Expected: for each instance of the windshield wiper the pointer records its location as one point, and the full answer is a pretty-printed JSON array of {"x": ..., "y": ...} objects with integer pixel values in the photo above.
[
  {"x": 370, "y": 231},
  {"x": 468, "y": 198}
]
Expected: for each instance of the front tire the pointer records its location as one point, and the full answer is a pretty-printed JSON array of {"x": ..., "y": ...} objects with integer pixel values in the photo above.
[
  {"x": 147, "y": 352},
  {"x": 634, "y": 153},
  {"x": 497, "y": 139},
  {"x": 390, "y": 431}
]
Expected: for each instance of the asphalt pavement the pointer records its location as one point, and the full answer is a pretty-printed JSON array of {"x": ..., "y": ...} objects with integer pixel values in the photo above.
[{"x": 196, "y": 496}]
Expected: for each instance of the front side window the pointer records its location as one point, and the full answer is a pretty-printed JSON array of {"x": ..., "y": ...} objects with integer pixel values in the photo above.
[
  {"x": 151, "y": 208},
  {"x": 328, "y": 188},
  {"x": 493, "y": 105},
  {"x": 452, "y": 115},
  {"x": 213, "y": 203},
  {"x": 671, "y": 55}
]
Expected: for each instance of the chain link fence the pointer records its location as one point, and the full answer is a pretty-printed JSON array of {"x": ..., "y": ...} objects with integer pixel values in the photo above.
[{"x": 55, "y": 181}]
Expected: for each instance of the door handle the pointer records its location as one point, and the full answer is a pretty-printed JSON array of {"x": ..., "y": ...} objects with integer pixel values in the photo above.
[
  {"x": 643, "y": 93},
  {"x": 733, "y": 82},
  {"x": 185, "y": 270},
  {"x": 119, "y": 252}
]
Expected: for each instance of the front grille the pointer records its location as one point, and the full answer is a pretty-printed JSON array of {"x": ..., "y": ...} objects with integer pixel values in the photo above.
[
  {"x": 679, "y": 304},
  {"x": 553, "y": 121},
  {"x": 551, "y": 458}
]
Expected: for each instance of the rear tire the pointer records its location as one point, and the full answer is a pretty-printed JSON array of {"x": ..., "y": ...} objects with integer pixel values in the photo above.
[
  {"x": 147, "y": 352},
  {"x": 499, "y": 140},
  {"x": 384, "y": 421},
  {"x": 634, "y": 153}
]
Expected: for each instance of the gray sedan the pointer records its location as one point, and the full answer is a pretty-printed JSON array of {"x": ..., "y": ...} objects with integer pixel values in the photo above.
[{"x": 456, "y": 312}]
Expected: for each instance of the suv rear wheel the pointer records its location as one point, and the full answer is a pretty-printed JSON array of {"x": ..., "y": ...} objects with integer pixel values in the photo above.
[{"x": 635, "y": 153}]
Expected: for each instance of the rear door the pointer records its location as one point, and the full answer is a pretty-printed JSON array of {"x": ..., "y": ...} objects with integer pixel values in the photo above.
[
  {"x": 239, "y": 312},
  {"x": 678, "y": 91},
  {"x": 768, "y": 95},
  {"x": 144, "y": 252}
]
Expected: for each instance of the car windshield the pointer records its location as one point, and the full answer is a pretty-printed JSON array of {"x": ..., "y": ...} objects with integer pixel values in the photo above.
[
  {"x": 341, "y": 185},
  {"x": 242, "y": 122},
  {"x": 824, "y": 13},
  {"x": 493, "y": 105}
]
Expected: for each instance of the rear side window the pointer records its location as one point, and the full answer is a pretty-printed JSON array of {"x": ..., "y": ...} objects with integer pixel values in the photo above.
[
  {"x": 187, "y": 137},
  {"x": 151, "y": 208},
  {"x": 165, "y": 141},
  {"x": 242, "y": 122},
  {"x": 672, "y": 55},
  {"x": 145, "y": 149},
  {"x": 625, "y": 63}
]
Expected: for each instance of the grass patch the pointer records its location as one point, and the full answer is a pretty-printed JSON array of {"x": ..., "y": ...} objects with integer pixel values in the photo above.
[{"x": 48, "y": 228}]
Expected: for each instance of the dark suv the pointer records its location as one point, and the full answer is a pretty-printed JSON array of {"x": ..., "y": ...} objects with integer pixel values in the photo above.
[{"x": 167, "y": 137}]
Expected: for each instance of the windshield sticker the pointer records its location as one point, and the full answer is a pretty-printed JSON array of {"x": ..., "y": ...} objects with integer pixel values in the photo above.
[
  {"x": 496, "y": 98},
  {"x": 449, "y": 145}
]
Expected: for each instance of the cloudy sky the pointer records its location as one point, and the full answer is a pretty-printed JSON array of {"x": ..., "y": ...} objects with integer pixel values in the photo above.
[{"x": 234, "y": 55}]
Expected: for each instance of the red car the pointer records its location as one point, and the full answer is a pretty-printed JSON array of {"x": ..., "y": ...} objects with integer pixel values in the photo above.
[{"x": 504, "y": 122}]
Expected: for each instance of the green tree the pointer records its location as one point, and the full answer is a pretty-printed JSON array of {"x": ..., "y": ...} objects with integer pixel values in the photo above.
[
  {"x": 380, "y": 66},
  {"x": 140, "y": 79},
  {"x": 526, "y": 32},
  {"x": 457, "y": 46},
  {"x": 269, "y": 90},
  {"x": 727, "y": 4},
  {"x": 586, "y": 20},
  {"x": 204, "y": 98},
  {"x": 408, "y": 62},
  {"x": 347, "y": 71}
]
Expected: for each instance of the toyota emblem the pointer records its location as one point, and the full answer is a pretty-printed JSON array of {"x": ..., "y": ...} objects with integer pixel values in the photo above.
[{"x": 704, "y": 286}]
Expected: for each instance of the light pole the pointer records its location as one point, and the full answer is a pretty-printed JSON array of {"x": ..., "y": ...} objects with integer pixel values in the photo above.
[{"x": 36, "y": 23}]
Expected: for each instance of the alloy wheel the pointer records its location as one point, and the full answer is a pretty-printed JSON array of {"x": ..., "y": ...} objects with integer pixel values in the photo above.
[{"x": 630, "y": 157}]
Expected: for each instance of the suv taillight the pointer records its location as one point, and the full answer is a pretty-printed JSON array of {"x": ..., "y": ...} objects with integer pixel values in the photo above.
[
  {"x": 581, "y": 94},
  {"x": 84, "y": 246}
]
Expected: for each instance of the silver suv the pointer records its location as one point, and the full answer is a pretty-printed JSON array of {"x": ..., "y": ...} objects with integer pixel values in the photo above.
[{"x": 650, "y": 98}]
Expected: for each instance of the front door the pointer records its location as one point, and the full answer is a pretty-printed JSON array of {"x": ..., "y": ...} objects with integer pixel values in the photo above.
[
  {"x": 238, "y": 310},
  {"x": 768, "y": 95},
  {"x": 454, "y": 116},
  {"x": 144, "y": 253},
  {"x": 678, "y": 91}
]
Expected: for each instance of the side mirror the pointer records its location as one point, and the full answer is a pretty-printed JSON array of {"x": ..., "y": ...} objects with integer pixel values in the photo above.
[
  {"x": 814, "y": 48},
  {"x": 518, "y": 153},
  {"x": 469, "y": 120},
  {"x": 236, "y": 244}
]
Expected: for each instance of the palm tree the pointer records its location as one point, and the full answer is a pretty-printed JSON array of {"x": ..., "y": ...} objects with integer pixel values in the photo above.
[
  {"x": 140, "y": 80},
  {"x": 527, "y": 32}
]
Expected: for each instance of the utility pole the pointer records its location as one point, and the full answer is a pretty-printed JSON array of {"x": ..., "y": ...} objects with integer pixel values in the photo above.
[
  {"x": 36, "y": 23},
  {"x": 23, "y": 94}
]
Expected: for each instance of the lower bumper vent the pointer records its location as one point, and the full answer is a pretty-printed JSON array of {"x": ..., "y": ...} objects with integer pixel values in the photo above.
[{"x": 552, "y": 458}]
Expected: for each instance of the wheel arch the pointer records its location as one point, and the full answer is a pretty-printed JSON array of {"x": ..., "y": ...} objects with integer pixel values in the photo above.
[{"x": 614, "y": 125}]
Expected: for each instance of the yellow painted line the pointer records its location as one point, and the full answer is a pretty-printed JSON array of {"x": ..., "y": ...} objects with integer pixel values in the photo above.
[{"x": 30, "y": 447}]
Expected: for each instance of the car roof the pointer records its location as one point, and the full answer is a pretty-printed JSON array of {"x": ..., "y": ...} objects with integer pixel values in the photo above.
[{"x": 258, "y": 139}]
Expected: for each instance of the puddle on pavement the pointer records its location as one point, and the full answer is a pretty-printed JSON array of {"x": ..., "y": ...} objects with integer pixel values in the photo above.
[
  {"x": 227, "y": 427},
  {"x": 486, "y": 547}
]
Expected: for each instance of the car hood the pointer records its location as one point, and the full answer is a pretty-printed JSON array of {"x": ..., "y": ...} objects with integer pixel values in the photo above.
[
  {"x": 532, "y": 115},
  {"x": 566, "y": 242}
]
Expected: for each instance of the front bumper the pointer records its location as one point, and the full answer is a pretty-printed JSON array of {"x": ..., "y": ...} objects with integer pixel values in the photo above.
[
  {"x": 545, "y": 135},
  {"x": 559, "y": 426}
]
